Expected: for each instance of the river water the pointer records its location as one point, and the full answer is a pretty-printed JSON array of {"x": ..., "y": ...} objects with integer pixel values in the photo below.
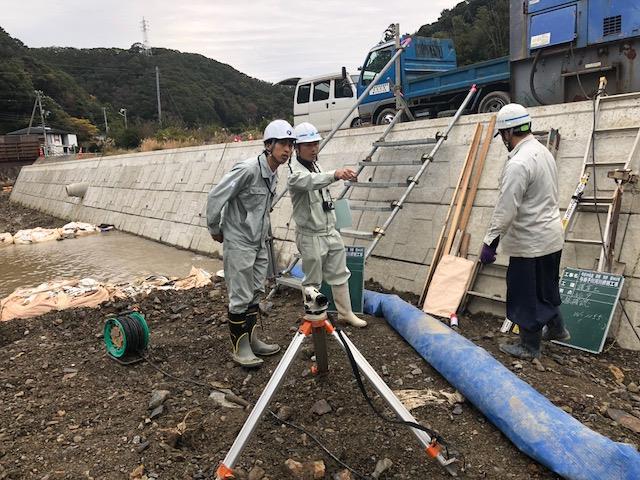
[{"x": 108, "y": 257}]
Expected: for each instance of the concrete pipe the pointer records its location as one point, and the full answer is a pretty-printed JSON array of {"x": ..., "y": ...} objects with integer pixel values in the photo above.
[{"x": 77, "y": 189}]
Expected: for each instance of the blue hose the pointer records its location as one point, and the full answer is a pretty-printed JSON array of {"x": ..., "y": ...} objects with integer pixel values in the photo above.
[{"x": 538, "y": 428}]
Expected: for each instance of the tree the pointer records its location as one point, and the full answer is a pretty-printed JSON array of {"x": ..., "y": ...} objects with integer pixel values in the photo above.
[
  {"x": 84, "y": 129},
  {"x": 479, "y": 29}
]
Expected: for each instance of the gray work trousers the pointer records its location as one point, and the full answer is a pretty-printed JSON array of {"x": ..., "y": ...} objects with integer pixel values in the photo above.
[
  {"x": 323, "y": 258},
  {"x": 245, "y": 270}
]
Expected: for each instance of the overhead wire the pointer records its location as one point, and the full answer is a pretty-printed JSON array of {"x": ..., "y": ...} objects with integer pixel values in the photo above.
[
  {"x": 575, "y": 64},
  {"x": 173, "y": 102}
]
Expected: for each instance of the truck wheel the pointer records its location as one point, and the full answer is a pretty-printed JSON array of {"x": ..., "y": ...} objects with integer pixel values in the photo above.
[
  {"x": 493, "y": 102},
  {"x": 356, "y": 122},
  {"x": 385, "y": 117}
]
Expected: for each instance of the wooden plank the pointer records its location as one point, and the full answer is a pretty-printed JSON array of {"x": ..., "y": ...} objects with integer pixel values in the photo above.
[
  {"x": 440, "y": 243},
  {"x": 462, "y": 194},
  {"x": 553, "y": 142},
  {"x": 473, "y": 190},
  {"x": 457, "y": 240},
  {"x": 464, "y": 246},
  {"x": 611, "y": 232},
  {"x": 474, "y": 275}
]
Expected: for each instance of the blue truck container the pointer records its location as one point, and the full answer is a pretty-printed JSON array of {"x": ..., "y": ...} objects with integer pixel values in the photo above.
[
  {"x": 431, "y": 82},
  {"x": 559, "y": 49}
]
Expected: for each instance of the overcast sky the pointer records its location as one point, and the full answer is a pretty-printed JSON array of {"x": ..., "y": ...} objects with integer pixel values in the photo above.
[{"x": 267, "y": 39}]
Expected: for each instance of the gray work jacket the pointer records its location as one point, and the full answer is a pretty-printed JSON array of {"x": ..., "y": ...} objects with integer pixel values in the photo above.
[
  {"x": 308, "y": 190},
  {"x": 527, "y": 215},
  {"x": 238, "y": 206}
]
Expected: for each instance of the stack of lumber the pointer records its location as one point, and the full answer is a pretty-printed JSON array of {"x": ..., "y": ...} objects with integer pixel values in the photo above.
[{"x": 450, "y": 271}]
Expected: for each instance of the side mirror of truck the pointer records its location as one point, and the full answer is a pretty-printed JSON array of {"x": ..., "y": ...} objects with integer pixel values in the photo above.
[{"x": 344, "y": 73}]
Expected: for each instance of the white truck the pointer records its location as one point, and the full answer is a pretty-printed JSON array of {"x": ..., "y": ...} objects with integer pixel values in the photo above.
[{"x": 324, "y": 99}]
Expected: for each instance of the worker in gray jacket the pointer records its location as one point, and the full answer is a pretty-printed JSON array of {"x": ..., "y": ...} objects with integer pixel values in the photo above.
[
  {"x": 318, "y": 241},
  {"x": 238, "y": 214},
  {"x": 526, "y": 223}
]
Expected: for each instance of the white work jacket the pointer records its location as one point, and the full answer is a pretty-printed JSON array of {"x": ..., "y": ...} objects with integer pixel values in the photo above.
[{"x": 527, "y": 215}]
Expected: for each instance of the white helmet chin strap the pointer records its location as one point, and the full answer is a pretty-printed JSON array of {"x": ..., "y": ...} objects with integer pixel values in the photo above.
[{"x": 268, "y": 146}]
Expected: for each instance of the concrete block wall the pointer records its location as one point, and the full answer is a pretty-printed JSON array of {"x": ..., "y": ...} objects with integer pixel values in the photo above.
[{"x": 162, "y": 195}]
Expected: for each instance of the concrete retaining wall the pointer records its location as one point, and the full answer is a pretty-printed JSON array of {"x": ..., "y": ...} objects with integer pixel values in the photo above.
[{"x": 162, "y": 195}]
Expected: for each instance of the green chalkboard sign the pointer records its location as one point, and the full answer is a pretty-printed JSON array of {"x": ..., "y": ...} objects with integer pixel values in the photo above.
[
  {"x": 588, "y": 302},
  {"x": 355, "y": 264}
]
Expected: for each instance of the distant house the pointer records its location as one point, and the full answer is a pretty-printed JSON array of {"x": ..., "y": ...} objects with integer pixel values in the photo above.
[{"x": 59, "y": 142}]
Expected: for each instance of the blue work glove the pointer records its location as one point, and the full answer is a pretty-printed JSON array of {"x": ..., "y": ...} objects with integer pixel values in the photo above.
[{"x": 488, "y": 254}]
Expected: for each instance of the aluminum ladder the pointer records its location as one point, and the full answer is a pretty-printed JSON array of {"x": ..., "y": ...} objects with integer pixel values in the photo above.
[
  {"x": 410, "y": 183},
  {"x": 598, "y": 202},
  {"x": 395, "y": 206}
]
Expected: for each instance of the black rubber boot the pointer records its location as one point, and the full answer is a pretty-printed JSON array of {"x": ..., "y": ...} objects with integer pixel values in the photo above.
[
  {"x": 258, "y": 346},
  {"x": 527, "y": 348},
  {"x": 240, "y": 341},
  {"x": 555, "y": 330}
]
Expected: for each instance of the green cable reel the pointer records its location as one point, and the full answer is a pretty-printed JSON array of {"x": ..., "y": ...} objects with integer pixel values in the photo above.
[{"x": 126, "y": 335}]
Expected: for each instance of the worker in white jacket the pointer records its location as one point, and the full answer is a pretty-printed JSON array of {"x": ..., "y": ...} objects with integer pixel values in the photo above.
[
  {"x": 318, "y": 241},
  {"x": 238, "y": 214},
  {"x": 526, "y": 223}
]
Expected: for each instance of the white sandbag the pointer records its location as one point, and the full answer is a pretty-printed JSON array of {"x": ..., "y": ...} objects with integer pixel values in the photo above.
[
  {"x": 36, "y": 235},
  {"x": 6, "y": 239}
]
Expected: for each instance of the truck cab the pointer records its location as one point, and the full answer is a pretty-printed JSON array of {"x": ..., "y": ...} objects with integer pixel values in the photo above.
[
  {"x": 324, "y": 100},
  {"x": 422, "y": 57},
  {"x": 432, "y": 83}
]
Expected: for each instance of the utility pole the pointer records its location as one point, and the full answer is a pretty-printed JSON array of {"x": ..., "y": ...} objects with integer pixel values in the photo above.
[
  {"x": 158, "y": 96},
  {"x": 33, "y": 112},
  {"x": 123, "y": 112},
  {"x": 44, "y": 131},
  {"x": 106, "y": 123}
]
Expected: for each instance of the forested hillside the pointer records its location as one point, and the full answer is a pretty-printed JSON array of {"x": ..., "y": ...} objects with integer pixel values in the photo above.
[
  {"x": 21, "y": 73},
  {"x": 195, "y": 91},
  {"x": 479, "y": 29}
]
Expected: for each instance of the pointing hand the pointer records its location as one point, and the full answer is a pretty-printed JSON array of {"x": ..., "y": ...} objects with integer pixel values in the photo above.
[{"x": 346, "y": 174}]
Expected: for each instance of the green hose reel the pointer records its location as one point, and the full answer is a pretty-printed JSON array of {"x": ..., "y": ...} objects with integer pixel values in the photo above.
[{"x": 126, "y": 337}]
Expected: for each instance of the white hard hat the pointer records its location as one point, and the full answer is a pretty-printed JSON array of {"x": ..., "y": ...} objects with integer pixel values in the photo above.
[
  {"x": 278, "y": 130},
  {"x": 307, "y": 133},
  {"x": 510, "y": 116}
]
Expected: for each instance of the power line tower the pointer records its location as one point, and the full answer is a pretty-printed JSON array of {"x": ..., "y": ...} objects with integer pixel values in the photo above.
[
  {"x": 145, "y": 37},
  {"x": 147, "y": 52}
]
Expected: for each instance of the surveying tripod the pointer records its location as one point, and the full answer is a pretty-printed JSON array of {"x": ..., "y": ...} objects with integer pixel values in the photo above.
[{"x": 316, "y": 324}]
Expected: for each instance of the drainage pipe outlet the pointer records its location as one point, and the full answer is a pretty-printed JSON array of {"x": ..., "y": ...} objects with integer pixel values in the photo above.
[{"x": 77, "y": 189}]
